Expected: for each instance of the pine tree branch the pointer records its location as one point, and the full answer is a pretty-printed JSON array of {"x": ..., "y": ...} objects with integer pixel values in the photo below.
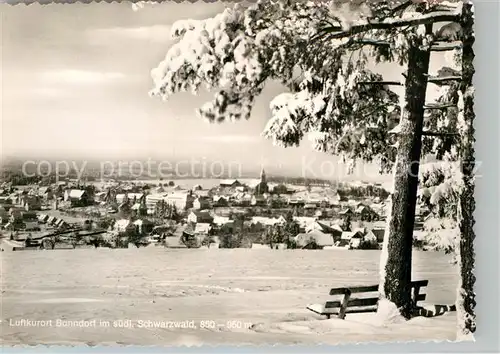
[
  {"x": 337, "y": 32},
  {"x": 443, "y": 80},
  {"x": 439, "y": 105},
  {"x": 443, "y": 46},
  {"x": 395, "y": 83},
  {"x": 439, "y": 134}
]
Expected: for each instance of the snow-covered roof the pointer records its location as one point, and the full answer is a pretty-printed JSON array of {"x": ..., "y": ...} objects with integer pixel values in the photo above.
[
  {"x": 228, "y": 182},
  {"x": 202, "y": 228},
  {"x": 76, "y": 193},
  {"x": 304, "y": 221},
  {"x": 221, "y": 220},
  {"x": 320, "y": 238},
  {"x": 265, "y": 220}
]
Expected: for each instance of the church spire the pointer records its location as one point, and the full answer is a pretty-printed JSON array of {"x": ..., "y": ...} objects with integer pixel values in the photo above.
[{"x": 262, "y": 175}]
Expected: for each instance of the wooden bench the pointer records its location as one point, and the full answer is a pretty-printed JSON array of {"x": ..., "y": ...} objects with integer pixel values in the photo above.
[{"x": 347, "y": 304}]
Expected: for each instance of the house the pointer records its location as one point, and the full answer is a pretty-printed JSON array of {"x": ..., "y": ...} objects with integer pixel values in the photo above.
[
  {"x": 296, "y": 201},
  {"x": 132, "y": 197},
  {"x": 30, "y": 221},
  {"x": 221, "y": 220},
  {"x": 258, "y": 200},
  {"x": 51, "y": 220},
  {"x": 334, "y": 200},
  {"x": 45, "y": 193},
  {"x": 143, "y": 226},
  {"x": 201, "y": 203},
  {"x": 202, "y": 193},
  {"x": 265, "y": 221},
  {"x": 181, "y": 199},
  {"x": 140, "y": 209},
  {"x": 124, "y": 207},
  {"x": 42, "y": 218},
  {"x": 324, "y": 228},
  {"x": 220, "y": 201},
  {"x": 346, "y": 212},
  {"x": 6, "y": 200},
  {"x": 77, "y": 197},
  {"x": 347, "y": 236},
  {"x": 241, "y": 189},
  {"x": 366, "y": 241},
  {"x": 101, "y": 197},
  {"x": 365, "y": 213},
  {"x": 200, "y": 217},
  {"x": 304, "y": 221},
  {"x": 310, "y": 206},
  {"x": 31, "y": 202},
  {"x": 124, "y": 225},
  {"x": 60, "y": 224},
  {"x": 4, "y": 215},
  {"x": 152, "y": 201},
  {"x": 378, "y": 229},
  {"x": 319, "y": 238},
  {"x": 243, "y": 199},
  {"x": 202, "y": 229},
  {"x": 229, "y": 183},
  {"x": 280, "y": 189}
]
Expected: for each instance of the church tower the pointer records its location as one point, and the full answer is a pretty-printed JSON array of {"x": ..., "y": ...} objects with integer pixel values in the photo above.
[
  {"x": 263, "y": 176},
  {"x": 262, "y": 187}
]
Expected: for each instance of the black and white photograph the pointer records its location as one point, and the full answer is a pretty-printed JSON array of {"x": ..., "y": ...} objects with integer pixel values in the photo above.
[{"x": 237, "y": 173}]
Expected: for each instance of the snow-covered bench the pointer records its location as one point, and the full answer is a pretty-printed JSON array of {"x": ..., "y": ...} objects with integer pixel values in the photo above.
[{"x": 362, "y": 304}]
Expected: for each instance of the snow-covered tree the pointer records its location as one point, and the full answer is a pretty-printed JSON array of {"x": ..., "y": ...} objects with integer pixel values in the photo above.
[{"x": 320, "y": 53}]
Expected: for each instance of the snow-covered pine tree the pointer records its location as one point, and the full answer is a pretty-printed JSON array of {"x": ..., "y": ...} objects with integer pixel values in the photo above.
[
  {"x": 345, "y": 108},
  {"x": 448, "y": 186}
]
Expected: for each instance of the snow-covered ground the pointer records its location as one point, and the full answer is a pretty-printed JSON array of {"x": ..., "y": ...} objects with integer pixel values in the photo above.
[{"x": 263, "y": 289}]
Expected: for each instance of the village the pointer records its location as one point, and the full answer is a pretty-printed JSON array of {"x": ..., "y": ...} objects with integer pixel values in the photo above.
[{"x": 257, "y": 214}]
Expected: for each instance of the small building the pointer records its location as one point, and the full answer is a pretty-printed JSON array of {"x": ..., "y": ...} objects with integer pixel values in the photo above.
[
  {"x": 42, "y": 218},
  {"x": 202, "y": 193},
  {"x": 220, "y": 201},
  {"x": 202, "y": 229},
  {"x": 200, "y": 217},
  {"x": 296, "y": 201},
  {"x": 346, "y": 212},
  {"x": 347, "y": 236},
  {"x": 201, "y": 203},
  {"x": 51, "y": 220},
  {"x": 378, "y": 229},
  {"x": 258, "y": 200},
  {"x": 124, "y": 225},
  {"x": 143, "y": 226},
  {"x": 31, "y": 202},
  {"x": 221, "y": 220},
  {"x": 365, "y": 213},
  {"x": 181, "y": 199},
  {"x": 229, "y": 183},
  {"x": 45, "y": 193},
  {"x": 77, "y": 197},
  {"x": 335, "y": 232},
  {"x": 30, "y": 221},
  {"x": 315, "y": 237}
]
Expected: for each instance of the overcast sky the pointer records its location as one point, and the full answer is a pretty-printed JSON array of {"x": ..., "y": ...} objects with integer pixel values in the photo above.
[{"x": 75, "y": 85}]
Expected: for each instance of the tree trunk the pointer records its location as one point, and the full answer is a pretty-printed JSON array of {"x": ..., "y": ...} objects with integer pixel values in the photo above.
[
  {"x": 466, "y": 301},
  {"x": 396, "y": 268}
]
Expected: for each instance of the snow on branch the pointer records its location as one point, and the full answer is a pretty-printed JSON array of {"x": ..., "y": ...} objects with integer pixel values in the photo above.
[
  {"x": 444, "y": 46},
  {"x": 337, "y": 32},
  {"x": 237, "y": 51}
]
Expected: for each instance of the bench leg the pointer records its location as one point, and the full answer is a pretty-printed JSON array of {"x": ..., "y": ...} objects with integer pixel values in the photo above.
[{"x": 343, "y": 307}]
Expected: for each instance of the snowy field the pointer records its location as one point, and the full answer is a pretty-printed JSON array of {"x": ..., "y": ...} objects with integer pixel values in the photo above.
[{"x": 262, "y": 289}]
